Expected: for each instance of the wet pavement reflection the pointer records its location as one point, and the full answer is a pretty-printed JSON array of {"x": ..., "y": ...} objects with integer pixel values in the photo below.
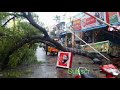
[
  {"x": 48, "y": 69},
  {"x": 40, "y": 54}
]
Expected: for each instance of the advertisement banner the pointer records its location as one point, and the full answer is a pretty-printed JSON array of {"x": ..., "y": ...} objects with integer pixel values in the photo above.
[
  {"x": 100, "y": 46},
  {"x": 77, "y": 24},
  {"x": 64, "y": 59},
  {"x": 84, "y": 21},
  {"x": 113, "y": 17},
  {"x": 88, "y": 21}
]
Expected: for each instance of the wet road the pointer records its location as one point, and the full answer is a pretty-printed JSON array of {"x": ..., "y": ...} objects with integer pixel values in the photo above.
[
  {"x": 40, "y": 54},
  {"x": 45, "y": 70},
  {"x": 48, "y": 68}
]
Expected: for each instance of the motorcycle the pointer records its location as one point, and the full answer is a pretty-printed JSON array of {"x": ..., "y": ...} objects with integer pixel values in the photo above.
[{"x": 110, "y": 70}]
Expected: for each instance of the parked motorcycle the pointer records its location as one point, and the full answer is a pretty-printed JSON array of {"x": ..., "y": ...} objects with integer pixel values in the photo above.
[{"x": 109, "y": 70}]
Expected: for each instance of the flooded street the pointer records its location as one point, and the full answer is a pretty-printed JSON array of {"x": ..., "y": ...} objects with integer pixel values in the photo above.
[{"x": 48, "y": 68}]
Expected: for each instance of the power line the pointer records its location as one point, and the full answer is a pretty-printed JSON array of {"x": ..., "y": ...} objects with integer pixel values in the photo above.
[{"x": 89, "y": 45}]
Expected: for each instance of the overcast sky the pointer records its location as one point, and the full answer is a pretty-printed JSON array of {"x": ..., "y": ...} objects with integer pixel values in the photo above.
[{"x": 47, "y": 17}]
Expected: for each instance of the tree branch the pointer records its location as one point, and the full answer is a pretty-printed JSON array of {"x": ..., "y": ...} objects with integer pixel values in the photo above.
[
  {"x": 17, "y": 15},
  {"x": 14, "y": 15},
  {"x": 29, "y": 17},
  {"x": 31, "y": 20},
  {"x": 8, "y": 21},
  {"x": 28, "y": 40}
]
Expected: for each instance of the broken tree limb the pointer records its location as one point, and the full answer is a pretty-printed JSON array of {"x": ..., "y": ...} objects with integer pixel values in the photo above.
[
  {"x": 8, "y": 21},
  {"x": 32, "y": 22}
]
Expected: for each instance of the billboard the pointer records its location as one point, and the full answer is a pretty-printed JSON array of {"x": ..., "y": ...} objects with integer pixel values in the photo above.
[
  {"x": 113, "y": 17},
  {"x": 88, "y": 21},
  {"x": 99, "y": 46},
  {"x": 84, "y": 21},
  {"x": 77, "y": 24}
]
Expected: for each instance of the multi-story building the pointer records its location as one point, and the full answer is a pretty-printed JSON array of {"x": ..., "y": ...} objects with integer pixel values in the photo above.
[{"x": 60, "y": 31}]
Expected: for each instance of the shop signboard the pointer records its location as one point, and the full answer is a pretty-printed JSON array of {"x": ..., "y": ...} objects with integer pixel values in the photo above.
[
  {"x": 77, "y": 24},
  {"x": 113, "y": 17},
  {"x": 88, "y": 21},
  {"x": 100, "y": 46},
  {"x": 104, "y": 47}
]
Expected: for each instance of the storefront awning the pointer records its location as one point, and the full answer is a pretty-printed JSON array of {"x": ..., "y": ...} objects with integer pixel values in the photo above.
[{"x": 92, "y": 28}]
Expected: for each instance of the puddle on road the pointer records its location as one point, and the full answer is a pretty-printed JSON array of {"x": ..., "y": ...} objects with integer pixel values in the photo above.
[
  {"x": 40, "y": 54},
  {"x": 44, "y": 71}
]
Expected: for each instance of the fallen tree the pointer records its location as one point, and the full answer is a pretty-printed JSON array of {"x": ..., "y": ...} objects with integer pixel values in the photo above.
[{"x": 44, "y": 39}]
